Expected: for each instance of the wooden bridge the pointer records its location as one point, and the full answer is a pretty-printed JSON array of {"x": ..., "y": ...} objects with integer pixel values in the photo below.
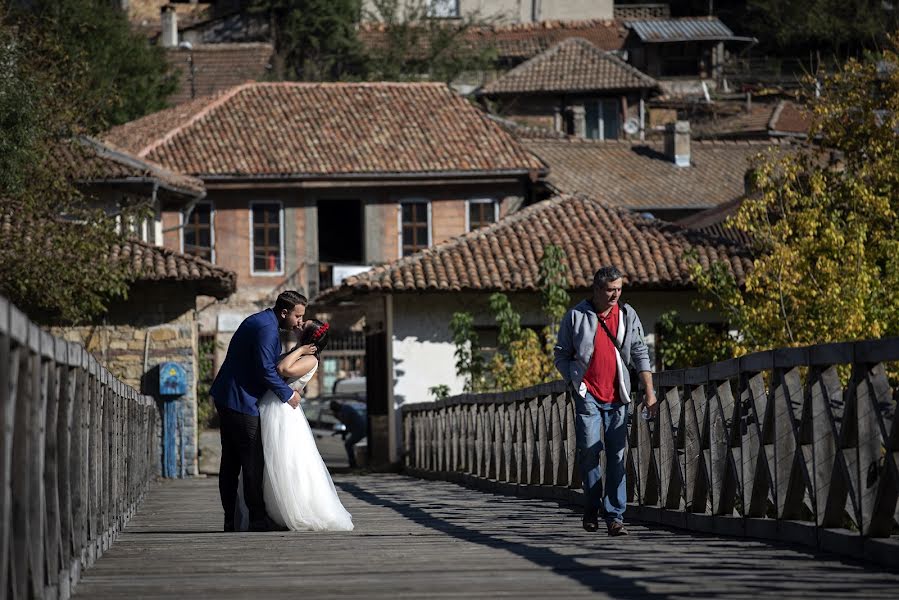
[{"x": 771, "y": 475}]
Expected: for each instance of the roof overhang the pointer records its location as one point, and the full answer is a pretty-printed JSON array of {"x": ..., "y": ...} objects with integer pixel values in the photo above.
[{"x": 302, "y": 180}]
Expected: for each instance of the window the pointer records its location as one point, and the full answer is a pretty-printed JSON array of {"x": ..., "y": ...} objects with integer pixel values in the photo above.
[
  {"x": 481, "y": 213},
  {"x": 443, "y": 9},
  {"x": 197, "y": 235},
  {"x": 266, "y": 230},
  {"x": 415, "y": 227},
  {"x": 602, "y": 118}
]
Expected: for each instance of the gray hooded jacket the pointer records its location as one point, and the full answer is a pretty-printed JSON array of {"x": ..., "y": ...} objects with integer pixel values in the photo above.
[{"x": 574, "y": 349}]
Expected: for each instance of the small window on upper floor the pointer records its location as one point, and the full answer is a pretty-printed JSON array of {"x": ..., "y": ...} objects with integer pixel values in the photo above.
[
  {"x": 482, "y": 213},
  {"x": 197, "y": 234},
  {"x": 267, "y": 244},
  {"x": 443, "y": 9},
  {"x": 415, "y": 227}
]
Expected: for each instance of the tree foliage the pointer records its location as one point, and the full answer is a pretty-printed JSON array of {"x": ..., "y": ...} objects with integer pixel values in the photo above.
[
  {"x": 53, "y": 246},
  {"x": 120, "y": 76},
  {"x": 417, "y": 46},
  {"x": 682, "y": 345},
  {"x": 823, "y": 221},
  {"x": 315, "y": 40},
  {"x": 522, "y": 357}
]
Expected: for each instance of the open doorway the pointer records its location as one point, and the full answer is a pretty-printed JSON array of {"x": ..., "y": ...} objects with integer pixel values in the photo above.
[{"x": 341, "y": 236}]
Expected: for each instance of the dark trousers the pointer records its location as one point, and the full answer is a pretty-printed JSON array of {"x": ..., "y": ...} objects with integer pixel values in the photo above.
[
  {"x": 353, "y": 439},
  {"x": 241, "y": 450}
]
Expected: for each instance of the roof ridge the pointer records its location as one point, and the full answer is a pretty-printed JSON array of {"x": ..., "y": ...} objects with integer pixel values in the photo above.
[
  {"x": 215, "y": 103},
  {"x": 558, "y": 47}
]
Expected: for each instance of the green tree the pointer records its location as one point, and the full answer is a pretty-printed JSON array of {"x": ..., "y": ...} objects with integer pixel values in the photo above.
[
  {"x": 469, "y": 360},
  {"x": 683, "y": 345},
  {"x": 827, "y": 266},
  {"x": 416, "y": 45},
  {"x": 121, "y": 76},
  {"x": 315, "y": 40},
  {"x": 52, "y": 245},
  {"x": 829, "y": 26},
  {"x": 522, "y": 357}
]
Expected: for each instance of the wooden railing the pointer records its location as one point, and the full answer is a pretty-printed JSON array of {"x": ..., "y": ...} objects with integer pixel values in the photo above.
[
  {"x": 78, "y": 449},
  {"x": 770, "y": 445}
]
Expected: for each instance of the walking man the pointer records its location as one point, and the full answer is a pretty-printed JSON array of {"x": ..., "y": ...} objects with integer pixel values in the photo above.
[
  {"x": 599, "y": 340},
  {"x": 356, "y": 421}
]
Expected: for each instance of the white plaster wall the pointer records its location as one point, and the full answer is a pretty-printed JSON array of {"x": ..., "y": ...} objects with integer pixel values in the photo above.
[{"x": 422, "y": 342}]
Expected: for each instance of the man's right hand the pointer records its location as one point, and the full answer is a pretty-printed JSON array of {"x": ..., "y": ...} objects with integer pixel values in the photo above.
[{"x": 294, "y": 400}]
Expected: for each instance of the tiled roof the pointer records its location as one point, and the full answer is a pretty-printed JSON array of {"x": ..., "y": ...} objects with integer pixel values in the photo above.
[
  {"x": 217, "y": 67},
  {"x": 152, "y": 263},
  {"x": 572, "y": 65},
  {"x": 764, "y": 119},
  {"x": 327, "y": 130},
  {"x": 92, "y": 161},
  {"x": 506, "y": 255},
  {"x": 519, "y": 41},
  {"x": 714, "y": 222},
  {"x": 530, "y": 132},
  {"x": 640, "y": 177},
  {"x": 790, "y": 118}
]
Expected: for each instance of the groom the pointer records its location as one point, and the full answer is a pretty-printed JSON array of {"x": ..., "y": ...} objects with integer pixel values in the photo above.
[{"x": 248, "y": 372}]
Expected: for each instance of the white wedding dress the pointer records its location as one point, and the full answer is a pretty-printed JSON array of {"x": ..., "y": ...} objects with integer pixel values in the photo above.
[{"x": 297, "y": 487}]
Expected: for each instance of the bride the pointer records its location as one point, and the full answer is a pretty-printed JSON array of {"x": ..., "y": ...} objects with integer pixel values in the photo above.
[{"x": 297, "y": 487}]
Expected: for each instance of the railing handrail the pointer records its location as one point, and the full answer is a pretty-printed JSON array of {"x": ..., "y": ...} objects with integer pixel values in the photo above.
[
  {"x": 78, "y": 448},
  {"x": 865, "y": 351},
  {"x": 775, "y": 444}
]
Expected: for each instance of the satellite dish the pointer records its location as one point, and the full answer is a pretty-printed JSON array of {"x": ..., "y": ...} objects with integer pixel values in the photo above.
[{"x": 631, "y": 126}]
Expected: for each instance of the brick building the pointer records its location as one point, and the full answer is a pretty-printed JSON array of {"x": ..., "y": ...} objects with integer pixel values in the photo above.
[
  {"x": 415, "y": 297},
  {"x": 308, "y": 183}
]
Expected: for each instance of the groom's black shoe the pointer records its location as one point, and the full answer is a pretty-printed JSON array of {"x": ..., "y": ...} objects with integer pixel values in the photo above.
[
  {"x": 267, "y": 525},
  {"x": 591, "y": 519}
]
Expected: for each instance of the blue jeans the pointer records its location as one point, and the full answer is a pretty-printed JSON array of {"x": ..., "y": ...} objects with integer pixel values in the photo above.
[{"x": 592, "y": 418}]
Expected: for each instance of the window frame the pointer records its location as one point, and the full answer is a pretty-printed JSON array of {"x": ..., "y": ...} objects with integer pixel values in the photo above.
[
  {"x": 399, "y": 223},
  {"x": 253, "y": 271},
  {"x": 471, "y": 201},
  {"x": 457, "y": 12},
  {"x": 183, "y": 227}
]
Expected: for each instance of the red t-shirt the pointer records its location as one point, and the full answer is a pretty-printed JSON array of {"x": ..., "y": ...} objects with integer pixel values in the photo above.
[{"x": 601, "y": 377}]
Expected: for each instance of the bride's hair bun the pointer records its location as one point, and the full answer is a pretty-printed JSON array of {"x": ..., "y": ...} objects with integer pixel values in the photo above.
[{"x": 316, "y": 332}]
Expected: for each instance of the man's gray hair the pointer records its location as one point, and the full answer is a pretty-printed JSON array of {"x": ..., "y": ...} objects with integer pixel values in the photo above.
[{"x": 605, "y": 275}]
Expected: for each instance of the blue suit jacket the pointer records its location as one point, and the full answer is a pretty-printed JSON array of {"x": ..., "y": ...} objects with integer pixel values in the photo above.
[{"x": 250, "y": 369}]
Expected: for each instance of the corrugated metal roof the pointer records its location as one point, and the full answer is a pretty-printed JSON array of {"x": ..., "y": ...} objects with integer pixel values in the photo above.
[{"x": 680, "y": 30}]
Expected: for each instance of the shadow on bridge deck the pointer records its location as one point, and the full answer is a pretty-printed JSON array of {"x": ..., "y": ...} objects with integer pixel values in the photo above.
[{"x": 418, "y": 538}]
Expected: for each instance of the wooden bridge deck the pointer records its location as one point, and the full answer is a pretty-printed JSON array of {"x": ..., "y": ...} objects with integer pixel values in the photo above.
[{"x": 417, "y": 539}]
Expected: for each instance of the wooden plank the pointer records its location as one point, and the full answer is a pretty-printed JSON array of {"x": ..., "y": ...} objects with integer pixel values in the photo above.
[
  {"x": 757, "y": 480},
  {"x": 697, "y": 483},
  {"x": 437, "y": 539},
  {"x": 53, "y": 538},
  {"x": 8, "y": 376},
  {"x": 789, "y": 483},
  {"x": 670, "y": 473}
]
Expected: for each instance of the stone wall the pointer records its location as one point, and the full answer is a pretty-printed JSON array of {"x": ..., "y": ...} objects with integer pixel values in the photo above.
[{"x": 156, "y": 324}]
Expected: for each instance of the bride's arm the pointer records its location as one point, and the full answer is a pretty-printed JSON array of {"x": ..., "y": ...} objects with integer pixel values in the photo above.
[{"x": 298, "y": 362}]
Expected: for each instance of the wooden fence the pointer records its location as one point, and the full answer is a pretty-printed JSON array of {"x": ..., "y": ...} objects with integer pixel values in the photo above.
[
  {"x": 770, "y": 445},
  {"x": 78, "y": 449}
]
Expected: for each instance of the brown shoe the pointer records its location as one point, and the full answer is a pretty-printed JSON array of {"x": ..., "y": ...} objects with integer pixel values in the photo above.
[{"x": 616, "y": 529}]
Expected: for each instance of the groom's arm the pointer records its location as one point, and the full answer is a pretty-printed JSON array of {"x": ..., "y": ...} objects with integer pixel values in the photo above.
[{"x": 266, "y": 359}]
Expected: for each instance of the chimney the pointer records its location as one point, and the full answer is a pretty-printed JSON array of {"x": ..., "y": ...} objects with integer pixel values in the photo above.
[
  {"x": 169, "y": 18},
  {"x": 677, "y": 143}
]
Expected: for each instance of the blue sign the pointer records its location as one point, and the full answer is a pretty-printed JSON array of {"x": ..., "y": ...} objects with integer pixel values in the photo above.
[{"x": 172, "y": 379}]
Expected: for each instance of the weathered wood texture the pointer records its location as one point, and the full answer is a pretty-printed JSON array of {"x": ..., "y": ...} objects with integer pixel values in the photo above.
[
  {"x": 433, "y": 539},
  {"x": 76, "y": 455},
  {"x": 771, "y": 444}
]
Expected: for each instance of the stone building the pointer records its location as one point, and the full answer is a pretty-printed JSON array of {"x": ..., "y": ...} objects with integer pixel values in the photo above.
[{"x": 157, "y": 324}]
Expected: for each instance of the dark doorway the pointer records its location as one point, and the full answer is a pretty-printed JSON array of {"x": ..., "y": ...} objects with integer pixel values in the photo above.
[{"x": 341, "y": 235}]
